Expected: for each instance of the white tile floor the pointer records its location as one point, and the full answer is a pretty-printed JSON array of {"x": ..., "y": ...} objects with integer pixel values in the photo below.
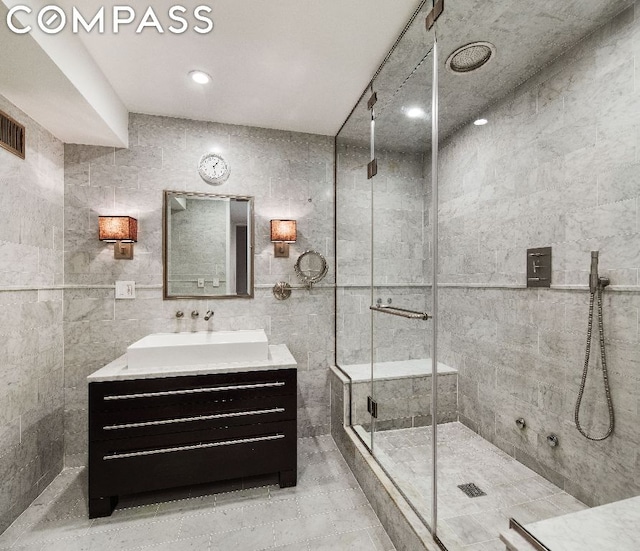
[
  {"x": 469, "y": 524},
  {"x": 325, "y": 511}
]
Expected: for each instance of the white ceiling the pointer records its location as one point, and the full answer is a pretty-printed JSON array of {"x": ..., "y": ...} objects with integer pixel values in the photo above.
[{"x": 296, "y": 65}]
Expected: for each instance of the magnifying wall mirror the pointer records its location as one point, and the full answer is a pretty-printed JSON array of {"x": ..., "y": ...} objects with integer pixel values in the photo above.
[
  {"x": 311, "y": 267},
  {"x": 207, "y": 245}
]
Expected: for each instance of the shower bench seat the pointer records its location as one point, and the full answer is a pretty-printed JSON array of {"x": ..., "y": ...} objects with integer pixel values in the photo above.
[{"x": 403, "y": 393}]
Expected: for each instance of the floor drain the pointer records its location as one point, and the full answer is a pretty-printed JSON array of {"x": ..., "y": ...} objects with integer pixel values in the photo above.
[{"x": 471, "y": 490}]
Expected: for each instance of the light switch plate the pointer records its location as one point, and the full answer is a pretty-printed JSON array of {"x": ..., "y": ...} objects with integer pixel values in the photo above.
[
  {"x": 201, "y": 282},
  {"x": 125, "y": 289},
  {"x": 216, "y": 282}
]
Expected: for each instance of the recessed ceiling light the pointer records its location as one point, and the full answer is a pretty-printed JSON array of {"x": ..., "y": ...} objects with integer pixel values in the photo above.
[
  {"x": 415, "y": 113},
  {"x": 200, "y": 77},
  {"x": 480, "y": 122}
]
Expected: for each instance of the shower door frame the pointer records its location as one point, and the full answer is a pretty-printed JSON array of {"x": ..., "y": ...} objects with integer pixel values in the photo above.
[{"x": 432, "y": 525}]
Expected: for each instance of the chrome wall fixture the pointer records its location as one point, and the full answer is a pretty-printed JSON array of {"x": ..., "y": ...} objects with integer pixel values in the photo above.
[
  {"x": 282, "y": 290},
  {"x": 310, "y": 268},
  {"x": 195, "y": 315}
]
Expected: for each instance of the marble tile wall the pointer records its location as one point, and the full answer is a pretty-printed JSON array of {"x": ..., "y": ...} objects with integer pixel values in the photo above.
[
  {"x": 557, "y": 166},
  {"x": 400, "y": 249},
  {"x": 31, "y": 338},
  {"x": 289, "y": 174}
]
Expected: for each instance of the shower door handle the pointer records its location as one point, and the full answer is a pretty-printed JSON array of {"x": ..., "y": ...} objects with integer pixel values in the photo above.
[{"x": 402, "y": 312}]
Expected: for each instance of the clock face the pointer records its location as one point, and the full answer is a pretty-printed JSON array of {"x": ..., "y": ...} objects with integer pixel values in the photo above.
[{"x": 213, "y": 169}]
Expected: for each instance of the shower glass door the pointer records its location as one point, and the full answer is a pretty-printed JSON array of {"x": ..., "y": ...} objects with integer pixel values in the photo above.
[
  {"x": 353, "y": 262},
  {"x": 400, "y": 270}
]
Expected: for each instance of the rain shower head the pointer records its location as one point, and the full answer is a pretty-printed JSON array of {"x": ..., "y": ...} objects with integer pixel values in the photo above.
[{"x": 470, "y": 57}]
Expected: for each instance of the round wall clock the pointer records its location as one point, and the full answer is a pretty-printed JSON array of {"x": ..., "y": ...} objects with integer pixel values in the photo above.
[{"x": 213, "y": 169}]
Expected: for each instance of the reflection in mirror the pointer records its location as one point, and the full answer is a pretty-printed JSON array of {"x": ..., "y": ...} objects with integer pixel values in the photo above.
[{"x": 208, "y": 245}]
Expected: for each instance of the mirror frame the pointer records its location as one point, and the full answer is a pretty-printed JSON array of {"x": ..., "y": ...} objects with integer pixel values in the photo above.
[
  {"x": 302, "y": 275},
  {"x": 165, "y": 287}
]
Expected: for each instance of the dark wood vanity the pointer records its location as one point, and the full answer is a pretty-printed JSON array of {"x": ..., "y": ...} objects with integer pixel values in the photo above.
[{"x": 168, "y": 431}]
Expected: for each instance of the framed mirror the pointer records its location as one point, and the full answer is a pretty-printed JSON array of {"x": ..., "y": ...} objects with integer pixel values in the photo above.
[
  {"x": 207, "y": 245},
  {"x": 311, "y": 267}
]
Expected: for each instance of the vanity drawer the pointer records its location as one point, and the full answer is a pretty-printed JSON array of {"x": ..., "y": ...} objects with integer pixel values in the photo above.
[
  {"x": 163, "y": 432},
  {"x": 173, "y": 391},
  {"x": 195, "y": 414},
  {"x": 146, "y": 463}
]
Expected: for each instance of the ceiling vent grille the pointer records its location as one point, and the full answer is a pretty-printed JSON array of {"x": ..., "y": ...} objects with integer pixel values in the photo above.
[{"x": 11, "y": 135}]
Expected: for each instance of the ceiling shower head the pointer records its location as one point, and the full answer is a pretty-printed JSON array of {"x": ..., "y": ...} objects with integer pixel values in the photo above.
[{"x": 470, "y": 57}]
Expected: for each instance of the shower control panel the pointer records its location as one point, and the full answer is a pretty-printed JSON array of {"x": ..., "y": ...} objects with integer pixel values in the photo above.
[{"x": 539, "y": 267}]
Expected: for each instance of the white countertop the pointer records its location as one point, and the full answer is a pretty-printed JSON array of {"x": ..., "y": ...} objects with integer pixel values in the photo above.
[
  {"x": 117, "y": 370},
  {"x": 611, "y": 527}
]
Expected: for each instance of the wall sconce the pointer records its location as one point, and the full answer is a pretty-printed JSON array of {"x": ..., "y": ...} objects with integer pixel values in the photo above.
[
  {"x": 121, "y": 230},
  {"x": 283, "y": 232}
]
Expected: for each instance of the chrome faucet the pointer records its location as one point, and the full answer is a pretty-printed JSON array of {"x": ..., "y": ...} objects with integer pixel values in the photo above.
[
  {"x": 195, "y": 314},
  {"x": 208, "y": 315}
]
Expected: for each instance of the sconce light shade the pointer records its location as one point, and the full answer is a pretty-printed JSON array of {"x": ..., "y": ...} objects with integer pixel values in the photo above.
[
  {"x": 122, "y": 230},
  {"x": 283, "y": 232},
  {"x": 118, "y": 228}
]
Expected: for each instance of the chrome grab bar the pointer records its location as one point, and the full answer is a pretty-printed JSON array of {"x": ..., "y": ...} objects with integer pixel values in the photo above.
[
  {"x": 402, "y": 312},
  {"x": 192, "y": 391},
  {"x": 193, "y": 447},
  {"x": 190, "y": 419}
]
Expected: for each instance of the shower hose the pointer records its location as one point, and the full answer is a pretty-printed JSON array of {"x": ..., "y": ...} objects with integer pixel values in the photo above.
[{"x": 605, "y": 374}]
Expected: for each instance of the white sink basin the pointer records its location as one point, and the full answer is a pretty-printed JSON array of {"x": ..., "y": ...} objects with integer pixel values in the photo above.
[{"x": 204, "y": 347}]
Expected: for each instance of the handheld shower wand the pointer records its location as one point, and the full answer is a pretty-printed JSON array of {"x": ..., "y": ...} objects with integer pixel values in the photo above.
[
  {"x": 596, "y": 286},
  {"x": 593, "y": 275}
]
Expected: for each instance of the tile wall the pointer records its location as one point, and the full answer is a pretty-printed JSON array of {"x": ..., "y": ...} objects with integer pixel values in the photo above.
[
  {"x": 31, "y": 338},
  {"x": 400, "y": 247},
  {"x": 558, "y": 166},
  {"x": 289, "y": 174}
]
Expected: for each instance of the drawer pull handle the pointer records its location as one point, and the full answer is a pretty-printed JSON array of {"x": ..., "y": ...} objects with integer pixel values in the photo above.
[
  {"x": 192, "y": 391},
  {"x": 194, "y": 447},
  {"x": 190, "y": 419}
]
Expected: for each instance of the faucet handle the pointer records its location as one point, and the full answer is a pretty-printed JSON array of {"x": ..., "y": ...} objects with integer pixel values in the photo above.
[
  {"x": 208, "y": 315},
  {"x": 195, "y": 314},
  {"x": 179, "y": 314}
]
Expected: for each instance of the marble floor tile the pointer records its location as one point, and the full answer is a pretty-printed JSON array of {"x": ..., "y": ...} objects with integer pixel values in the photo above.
[
  {"x": 353, "y": 541},
  {"x": 327, "y": 510},
  {"x": 303, "y": 528},
  {"x": 253, "y": 538},
  {"x": 473, "y": 524},
  {"x": 468, "y": 530},
  {"x": 199, "y": 543}
]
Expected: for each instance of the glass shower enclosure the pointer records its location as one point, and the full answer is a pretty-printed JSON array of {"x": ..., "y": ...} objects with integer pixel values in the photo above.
[
  {"x": 384, "y": 268},
  {"x": 470, "y": 411}
]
